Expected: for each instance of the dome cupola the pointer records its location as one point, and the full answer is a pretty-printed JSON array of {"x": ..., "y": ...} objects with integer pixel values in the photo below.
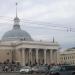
[{"x": 16, "y": 23}]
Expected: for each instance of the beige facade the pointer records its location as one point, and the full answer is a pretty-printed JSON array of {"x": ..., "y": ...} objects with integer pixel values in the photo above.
[
  {"x": 67, "y": 57},
  {"x": 29, "y": 52},
  {"x": 17, "y": 45}
]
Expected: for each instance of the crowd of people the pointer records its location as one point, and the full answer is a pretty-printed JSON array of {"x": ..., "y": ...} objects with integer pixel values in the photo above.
[
  {"x": 15, "y": 67},
  {"x": 9, "y": 66}
]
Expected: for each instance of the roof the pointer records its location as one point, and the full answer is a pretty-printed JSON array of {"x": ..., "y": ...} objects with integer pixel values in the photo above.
[{"x": 16, "y": 33}]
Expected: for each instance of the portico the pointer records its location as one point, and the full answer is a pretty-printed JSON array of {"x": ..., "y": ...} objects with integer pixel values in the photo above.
[{"x": 46, "y": 53}]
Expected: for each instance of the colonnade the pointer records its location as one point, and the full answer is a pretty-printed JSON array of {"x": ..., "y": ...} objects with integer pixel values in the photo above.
[{"x": 47, "y": 57}]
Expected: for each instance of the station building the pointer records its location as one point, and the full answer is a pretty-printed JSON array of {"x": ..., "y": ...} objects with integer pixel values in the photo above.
[{"x": 17, "y": 45}]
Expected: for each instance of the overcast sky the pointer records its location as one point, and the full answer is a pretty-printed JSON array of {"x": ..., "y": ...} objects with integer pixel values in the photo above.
[{"x": 42, "y": 19}]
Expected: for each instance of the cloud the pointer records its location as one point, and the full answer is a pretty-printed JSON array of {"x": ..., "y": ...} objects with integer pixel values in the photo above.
[{"x": 57, "y": 12}]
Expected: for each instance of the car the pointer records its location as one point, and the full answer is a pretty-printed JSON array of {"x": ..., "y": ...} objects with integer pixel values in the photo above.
[
  {"x": 40, "y": 69},
  {"x": 26, "y": 69},
  {"x": 62, "y": 70},
  {"x": 43, "y": 69},
  {"x": 35, "y": 69}
]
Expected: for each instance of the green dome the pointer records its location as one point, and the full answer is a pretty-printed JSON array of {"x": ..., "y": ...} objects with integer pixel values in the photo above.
[{"x": 16, "y": 33}]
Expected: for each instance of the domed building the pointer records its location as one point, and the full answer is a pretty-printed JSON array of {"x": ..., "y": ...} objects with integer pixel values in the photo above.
[
  {"x": 18, "y": 46},
  {"x": 16, "y": 33}
]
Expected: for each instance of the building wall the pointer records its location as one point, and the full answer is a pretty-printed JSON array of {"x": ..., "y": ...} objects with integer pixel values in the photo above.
[
  {"x": 5, "y": 55},
  {"x": 17, "y": 56},
  {"x": 20, "y": 52},
  {"x": 67, "y": 57}
]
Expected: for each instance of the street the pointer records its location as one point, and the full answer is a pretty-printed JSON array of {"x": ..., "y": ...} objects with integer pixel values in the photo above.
[{"x": 13, "y": 73}]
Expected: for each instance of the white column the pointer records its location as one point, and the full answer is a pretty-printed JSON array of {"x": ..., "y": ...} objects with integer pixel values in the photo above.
[
  {"x": 58, "y": 57},
  {"x": 44, "y": 56},
  {"x": 55, "y": 56},
  {"x": 23, "y": 57},
  {"x": 30, "y": 55},
  {"x": 51, "y": 56},
  {"x": 37, "y": 56}
]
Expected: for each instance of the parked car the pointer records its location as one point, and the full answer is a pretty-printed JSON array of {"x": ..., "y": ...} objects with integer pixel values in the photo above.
[
  {"x": 40, "y": 69},
  {"x": 62, "y": 70},
  {"x": 35, "y": 69},
  {"x": 26, "y": 69},
  {"x": 43, "y": 69}
]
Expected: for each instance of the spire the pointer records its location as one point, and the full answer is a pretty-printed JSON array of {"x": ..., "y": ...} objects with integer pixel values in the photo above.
[
  {"x": 16, "y": 8},
  {"x": 53, "y": 39},
  {"x": 16, "y": 19}
]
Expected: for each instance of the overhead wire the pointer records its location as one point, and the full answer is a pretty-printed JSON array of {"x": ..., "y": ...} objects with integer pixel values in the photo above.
[
  {"x": 48, "y": 24},
  {"x": 42, "y": 24}
]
